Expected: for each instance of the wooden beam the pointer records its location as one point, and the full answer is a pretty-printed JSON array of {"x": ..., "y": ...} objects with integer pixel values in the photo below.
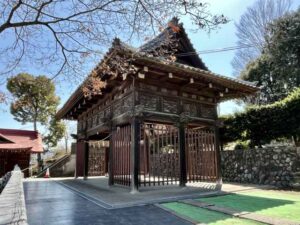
[
  {"x": 179, "y": 87},
  {"x": 103, "y": 98},
  {"x": 113, "y": 83}
]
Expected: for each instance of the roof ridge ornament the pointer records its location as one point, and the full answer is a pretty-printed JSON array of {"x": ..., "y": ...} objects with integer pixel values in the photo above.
[{"x": 116, "y": 42}]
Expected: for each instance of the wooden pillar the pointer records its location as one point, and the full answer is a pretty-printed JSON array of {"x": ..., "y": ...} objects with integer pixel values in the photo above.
[
  {"x": 110, "y": 160},
  {"x": 134, "y": 154},
  {"x": 80, "y": 149},
  {"x": 76, "y": 161},
  {"x": 182, "y": 156},
  {"x": 39, "y": 162},
  {"x": 86, "y": 160},
  {"x": 218, "y": 155}
]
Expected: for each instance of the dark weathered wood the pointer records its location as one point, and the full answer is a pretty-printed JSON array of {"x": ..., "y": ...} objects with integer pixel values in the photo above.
[
  {"x": 193, "y": 155},
  {"x": 182, "y": 156},
  {"x": 161, "y": 155},
  {"x": 134, "y": 154},
  {"x": 79, "y": 169},
  {"x": 9, "y": 158},
  {"x": 120, "y": 147},
  {"x": 200, "y": 155},
  {"x": 96, "y": 159},
  {"x": 217, "y": 154},
  {"x": 110, "y": 160},
  {"x": 155, "y": 152},
  {"x": 86, "y": 159}
]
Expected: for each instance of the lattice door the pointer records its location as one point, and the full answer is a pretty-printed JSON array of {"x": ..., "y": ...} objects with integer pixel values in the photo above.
[
  {"x": 121, "y": 139},
  {"x": 159, "y": 155},
  {"x": 201, "y": 155}
]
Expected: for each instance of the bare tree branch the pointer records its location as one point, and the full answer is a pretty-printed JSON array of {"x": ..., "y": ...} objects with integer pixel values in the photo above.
[
  {"x": 252, "y": 29},
  {"x": 82, "y": 30}
]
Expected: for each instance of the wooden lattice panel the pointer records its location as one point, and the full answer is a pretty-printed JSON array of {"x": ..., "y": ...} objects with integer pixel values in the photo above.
[
  {"x": 159, "y": 155},
  {"x": 97, "y": 159},
  {"x": 201, "y": 155},
  {"x": 121, "y": 138}
]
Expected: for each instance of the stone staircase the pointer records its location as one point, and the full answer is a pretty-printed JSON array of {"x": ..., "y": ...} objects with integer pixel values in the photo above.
[{"x": 63, "y": 167}]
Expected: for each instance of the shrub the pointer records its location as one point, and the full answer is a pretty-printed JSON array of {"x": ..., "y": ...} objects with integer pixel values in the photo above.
[{"x": 261, "y": 124}]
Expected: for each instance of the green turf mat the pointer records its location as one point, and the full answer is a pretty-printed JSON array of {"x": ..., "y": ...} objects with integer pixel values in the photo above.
[
  {"x": 285, "y": 205},
  {"x": 206, "y": 216}
]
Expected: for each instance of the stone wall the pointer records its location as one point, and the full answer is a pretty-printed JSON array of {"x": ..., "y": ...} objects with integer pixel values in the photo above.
[
  {"x": 4, "y": 180},
  {"x": 273, "y": 165},
  {"x": 12, "y": 201}
]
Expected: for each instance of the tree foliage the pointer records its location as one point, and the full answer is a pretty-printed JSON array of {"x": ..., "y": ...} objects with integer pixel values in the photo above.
[
  {"x": 35, "y": 99},
  {"x": 35, "y": 102},
  {"x": 277, "y": 70},
  {"x": 252, "y": 30},
  {"x": 57, "y": 130},
  {"x": 66, "y": 33},
  {"x": 261, "y": 124}
]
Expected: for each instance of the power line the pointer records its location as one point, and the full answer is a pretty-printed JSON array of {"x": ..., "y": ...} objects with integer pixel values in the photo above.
[
  {"x": 215, "y": 50},
  {"x": 226, "y": 48}
]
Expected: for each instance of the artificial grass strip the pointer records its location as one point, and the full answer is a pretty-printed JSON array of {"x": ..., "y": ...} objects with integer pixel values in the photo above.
[
  {"x": 270, "y": 203},
  {"x": 206, "y": 216}
]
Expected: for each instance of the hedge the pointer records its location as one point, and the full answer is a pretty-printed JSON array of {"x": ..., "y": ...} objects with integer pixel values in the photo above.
[{"x": 261, "y": 124}]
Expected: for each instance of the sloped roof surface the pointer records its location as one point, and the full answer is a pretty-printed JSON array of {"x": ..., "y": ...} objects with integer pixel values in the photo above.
[
  {"x": 185, "y": 45},
  {"x": 185, "y": 63},
  {"x": 21, "y": 140},
  {"x": 4, "y": 139}
]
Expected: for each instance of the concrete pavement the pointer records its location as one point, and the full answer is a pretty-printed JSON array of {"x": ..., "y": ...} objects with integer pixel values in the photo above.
[{"x": 48, "y": 202}]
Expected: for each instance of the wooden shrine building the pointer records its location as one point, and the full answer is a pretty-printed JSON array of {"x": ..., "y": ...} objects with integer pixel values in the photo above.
[
  {"x": 16, "y": 147},
  {"x": 160, "y": 121}
]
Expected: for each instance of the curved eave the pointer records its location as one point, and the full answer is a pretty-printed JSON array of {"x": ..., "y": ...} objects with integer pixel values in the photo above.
[
  {"x": 236, "y": 84},
  {"x": 71, "y": 102},
  {"x": 243, "y": 88},
  {"x": 78, "y": 94}
]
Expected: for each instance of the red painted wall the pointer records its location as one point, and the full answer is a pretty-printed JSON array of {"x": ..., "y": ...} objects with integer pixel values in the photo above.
[{"x": 9, "y": 159}]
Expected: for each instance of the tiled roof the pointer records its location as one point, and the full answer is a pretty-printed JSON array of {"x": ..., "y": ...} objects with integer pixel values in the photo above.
[
  {"x": 13, "y": 139},
  {"x": 208, "y": 73},
  {"x": 142, "y": 54},
  {"x": 163, "y": 39},
  {"x": 193, "y": 65}
]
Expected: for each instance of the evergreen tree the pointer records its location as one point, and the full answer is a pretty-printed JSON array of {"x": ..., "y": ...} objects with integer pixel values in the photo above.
[{"x": 277, "y": 70}]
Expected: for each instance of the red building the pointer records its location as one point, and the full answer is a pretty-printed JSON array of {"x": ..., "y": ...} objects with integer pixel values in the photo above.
[{"x": 16, "y": 147}]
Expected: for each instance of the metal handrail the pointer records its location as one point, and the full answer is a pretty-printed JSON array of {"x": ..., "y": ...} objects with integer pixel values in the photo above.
[{"x": 53, "y": 164}]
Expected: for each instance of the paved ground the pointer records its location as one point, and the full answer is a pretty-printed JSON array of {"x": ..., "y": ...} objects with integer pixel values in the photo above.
[
  {"x": 48, "y": 202},
  {"x": 119, "y": 197}
]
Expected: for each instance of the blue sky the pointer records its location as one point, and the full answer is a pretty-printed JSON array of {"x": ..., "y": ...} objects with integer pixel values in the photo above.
[{"x": 216, "y": 62}]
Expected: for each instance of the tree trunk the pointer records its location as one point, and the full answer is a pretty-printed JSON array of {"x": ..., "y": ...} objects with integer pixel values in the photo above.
[
  {"x": 34, "y": 125},
  {"x": 66, "y": 144},
  {"x": 39, "y": 157}
]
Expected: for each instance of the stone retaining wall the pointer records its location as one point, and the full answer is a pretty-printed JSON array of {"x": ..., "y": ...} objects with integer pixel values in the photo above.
[
  {"x": 12, "y": 201},
  {"x": 274, "y": 166}
]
